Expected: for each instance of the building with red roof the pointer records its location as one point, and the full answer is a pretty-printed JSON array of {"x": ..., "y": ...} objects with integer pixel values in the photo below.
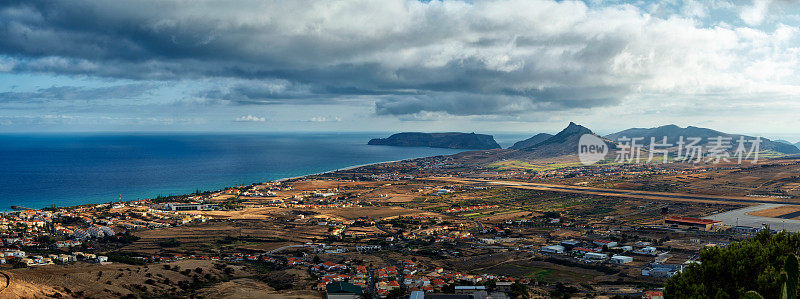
[{"x": 689, "y": 222}]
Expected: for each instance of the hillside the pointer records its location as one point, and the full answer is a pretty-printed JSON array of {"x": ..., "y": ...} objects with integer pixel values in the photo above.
[
  {"x": 452, "y": 140},
  {"x": 673, "y": 133},
  {"x": 562, "y": 146},
  {"x": 536, "y": 139}
]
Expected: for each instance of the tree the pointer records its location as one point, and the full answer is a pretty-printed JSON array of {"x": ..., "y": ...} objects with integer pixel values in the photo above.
[
  {"x": 754, "y": 264},
  {"x": 394, "y": 294},
  {"x": 791, "y": 268},
  {"x": 752, "y": 295},
  {"x": 519, "y": 290}
]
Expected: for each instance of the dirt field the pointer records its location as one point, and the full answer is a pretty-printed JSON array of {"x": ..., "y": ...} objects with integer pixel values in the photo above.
[
  {"x": 309, "y": 185},
  {"x": 397, "y": 198},
  {"x": 113, "y": 280},
  {"x": 248, "y": 288},
  {"x": 249, "y": 213},
  {"x": 206, "y": 238},
  {"x": 508, "y": 215},
  {"x": 372, "y": 212},
  {"x": 775, "y": 212}
]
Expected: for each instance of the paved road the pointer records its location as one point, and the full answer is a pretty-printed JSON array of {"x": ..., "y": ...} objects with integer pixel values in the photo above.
[
  {"x": 740, "y": 217},
  {"x": 4, "y": 286},
  {"x": 285, "y": 247},
  {"x": 620, "y": 192},
  {"x": 383, "y": 229}
]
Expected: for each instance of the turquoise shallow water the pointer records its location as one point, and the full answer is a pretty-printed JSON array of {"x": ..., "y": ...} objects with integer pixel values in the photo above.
[{"x": 41, "y": 170}]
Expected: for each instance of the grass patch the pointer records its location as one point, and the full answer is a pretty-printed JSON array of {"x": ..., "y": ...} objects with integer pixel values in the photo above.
[{"x": 541, "y": 274}]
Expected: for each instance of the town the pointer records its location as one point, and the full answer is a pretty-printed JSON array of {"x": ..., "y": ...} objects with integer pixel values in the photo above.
[{"x": 388, "y": 231}]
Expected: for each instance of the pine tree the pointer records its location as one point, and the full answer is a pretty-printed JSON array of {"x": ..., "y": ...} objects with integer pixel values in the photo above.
[{"x": 791, "y": 268}]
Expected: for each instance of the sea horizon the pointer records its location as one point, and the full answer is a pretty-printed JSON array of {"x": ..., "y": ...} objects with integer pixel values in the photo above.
[{"x": 77, "y": 168}]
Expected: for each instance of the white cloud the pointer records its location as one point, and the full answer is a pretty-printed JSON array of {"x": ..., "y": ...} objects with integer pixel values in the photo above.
[
  {"x": 6, "y": 64},
  {"x": 250, "y": 118},
  {"x": 754, "y": 14},
  {"x": 319, "y": 119},
  {"x": 692, "y": 8}
]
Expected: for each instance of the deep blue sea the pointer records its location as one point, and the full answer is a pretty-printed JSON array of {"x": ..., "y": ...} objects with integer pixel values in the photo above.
[{"x": 40, "y": 170}]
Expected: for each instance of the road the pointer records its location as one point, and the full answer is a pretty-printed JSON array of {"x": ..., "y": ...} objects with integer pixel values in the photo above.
[
  {"x": 383, "y": 229},
  {"x": 285, "y": 247},
  {"x": 4, "y": 286},
  {"x": 371, "y": 283},
  {"x": 622, "y": 192},
  {"x": 740, "y": 217}
]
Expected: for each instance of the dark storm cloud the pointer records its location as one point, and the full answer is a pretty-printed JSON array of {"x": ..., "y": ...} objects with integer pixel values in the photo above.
[
  {"x": 461, "y": 58},
  {"x": 72, "y": 93},
  {"x": 511, "y": 103}
]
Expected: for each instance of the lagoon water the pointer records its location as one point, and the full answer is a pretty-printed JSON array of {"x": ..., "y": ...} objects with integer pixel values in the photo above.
[{"x": 42, "y": 170}]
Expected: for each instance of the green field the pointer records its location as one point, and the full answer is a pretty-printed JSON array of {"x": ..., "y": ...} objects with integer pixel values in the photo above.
[{"x": 540, "y": 273}]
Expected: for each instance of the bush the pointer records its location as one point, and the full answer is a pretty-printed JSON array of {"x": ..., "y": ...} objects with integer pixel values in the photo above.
[
  {"x": 754, "y": 264},
  {"x": 124, "y": 258},
  {"x": 169, "y": 243}
]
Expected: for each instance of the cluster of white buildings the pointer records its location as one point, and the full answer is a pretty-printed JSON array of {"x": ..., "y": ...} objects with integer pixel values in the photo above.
[
  {"x": 591, "y": 251},
  {"x": 595, "y": 254},
  {"x": 9, "y": 255},
  {"x": 95, "y": 231}
]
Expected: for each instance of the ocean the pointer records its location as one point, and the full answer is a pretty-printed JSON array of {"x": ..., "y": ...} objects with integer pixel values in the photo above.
[{"x": 43, "y": 170}]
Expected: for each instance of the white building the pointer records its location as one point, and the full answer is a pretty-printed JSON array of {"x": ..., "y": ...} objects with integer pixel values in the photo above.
[
  {"x": 595, "y": 256},
  {"x": 649, "y": 250},
  {"x": 606, "y": 243},
  {"x": 468, "y": 290},
  {"x": 621, "y": 259},
  {"x": 362, "y": 248},
  {"x": 14, "y": 253},
  {"x": 558, "y": 249},
  {"x": 96, "y": 231},
  {"x": 173, "y": 206},
  {"x": 80, "y": 234},
  {"x": 662, "y": 270}
]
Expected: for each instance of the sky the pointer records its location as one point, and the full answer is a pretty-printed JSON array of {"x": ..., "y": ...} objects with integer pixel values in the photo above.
[{"x": 395, "y": 65}]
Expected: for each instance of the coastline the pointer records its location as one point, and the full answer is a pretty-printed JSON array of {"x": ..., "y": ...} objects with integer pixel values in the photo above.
[
  {"x": 9, "y": 210},
  {"x": 344, "y": 168}
]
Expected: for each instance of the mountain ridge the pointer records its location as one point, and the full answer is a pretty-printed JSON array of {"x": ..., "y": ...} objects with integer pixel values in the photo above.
[
  {"x": 674, "y": 132},
  {"x": 536, "y": 139},
  {"x": 564, "y": 143}
]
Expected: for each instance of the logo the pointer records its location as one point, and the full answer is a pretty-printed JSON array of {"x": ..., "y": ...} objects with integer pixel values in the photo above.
[{"x": 591, "y": 149}]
